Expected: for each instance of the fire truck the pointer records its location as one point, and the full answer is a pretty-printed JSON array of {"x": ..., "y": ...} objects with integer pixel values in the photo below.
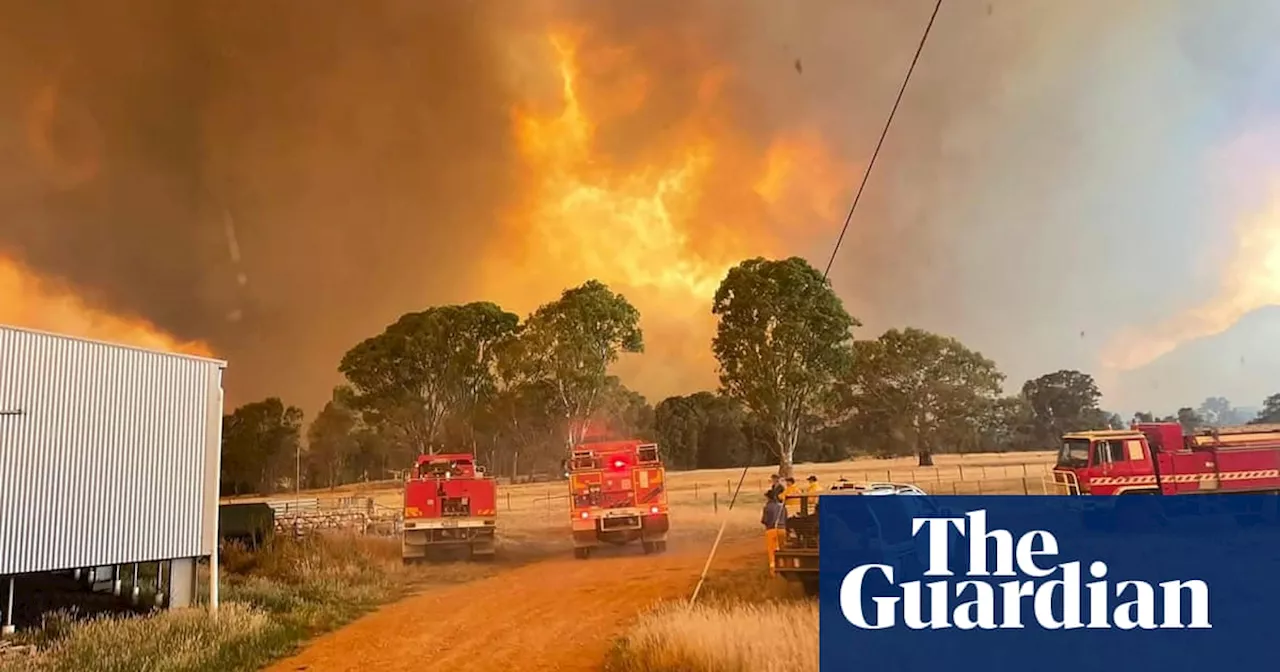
[
  {"x": 617, "y": 495},
  {"x": 449, "y": 504},
  {"x": 1162, "y": 459}
]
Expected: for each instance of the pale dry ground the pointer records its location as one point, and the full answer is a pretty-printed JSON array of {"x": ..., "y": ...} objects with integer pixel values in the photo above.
[{"x": 544, "y": 610}]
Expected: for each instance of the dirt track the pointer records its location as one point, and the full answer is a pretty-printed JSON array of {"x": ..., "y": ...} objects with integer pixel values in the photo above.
[{"x": 560, "y": 614}]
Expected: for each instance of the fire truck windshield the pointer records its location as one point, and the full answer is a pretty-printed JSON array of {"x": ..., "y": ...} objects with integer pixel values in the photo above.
[{"x": 1074, "y": 454}]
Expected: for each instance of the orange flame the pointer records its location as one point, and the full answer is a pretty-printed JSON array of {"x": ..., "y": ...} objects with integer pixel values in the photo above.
[
  {"x": 31, "y": 302},
  {"x": 664, "y": 225}
]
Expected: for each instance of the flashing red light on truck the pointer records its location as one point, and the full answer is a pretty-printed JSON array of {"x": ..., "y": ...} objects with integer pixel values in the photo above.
[
  {"x": 617, "y": 495},
  {"x": 449, "y": 503}
]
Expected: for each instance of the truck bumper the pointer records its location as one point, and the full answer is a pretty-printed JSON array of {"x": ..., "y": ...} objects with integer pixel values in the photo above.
[
  {"x": 620, "y": 526},
  {"x": 478, "y": 534},
  {"x": 798, "y": 565}
]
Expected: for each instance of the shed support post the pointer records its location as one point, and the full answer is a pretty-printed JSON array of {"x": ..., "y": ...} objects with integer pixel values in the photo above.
[
  {"x": 8, "y": 611},
  {"x": 115, "y": 580},
  {"x": 134, "y": 591},
  {"x": 160, "y": 592},
  {"x": 182, "y": 583},
  {"x": 213, "y": 581}
]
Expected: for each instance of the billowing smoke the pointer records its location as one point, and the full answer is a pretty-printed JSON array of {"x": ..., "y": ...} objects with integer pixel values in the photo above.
[{"x": 280, "y": 179}]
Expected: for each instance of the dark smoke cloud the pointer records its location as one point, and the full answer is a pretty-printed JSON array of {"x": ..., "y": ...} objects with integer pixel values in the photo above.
[
  {"x": 357, "y": 148},
  {"x": 363, "y": 153}
]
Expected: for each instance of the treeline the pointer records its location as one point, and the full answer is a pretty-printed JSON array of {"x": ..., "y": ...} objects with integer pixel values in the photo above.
[
  {"x": 467, "y": 378},
  {"x": 795, "y": 385},
  {"x": 1217, "y": 412}
]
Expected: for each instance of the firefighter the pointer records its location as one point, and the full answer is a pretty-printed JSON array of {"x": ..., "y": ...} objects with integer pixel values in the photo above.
[
  {"x": 774, "y": 520},
  {"x": 775, "y": 485},
  {"x": 812, "y": 491},
  {"x": 789, "y": 499}
]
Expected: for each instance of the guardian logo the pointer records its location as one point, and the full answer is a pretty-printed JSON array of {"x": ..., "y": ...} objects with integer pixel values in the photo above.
[{"x": 1010, "y": 583}]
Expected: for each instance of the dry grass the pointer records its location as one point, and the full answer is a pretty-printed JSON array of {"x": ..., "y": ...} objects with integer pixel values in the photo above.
[
  {"x": 745, "y": 621},
  {"x": 172, "y": 641},
  {"x": 271, "y": 601},
  {"x": 770, "y": 637}
]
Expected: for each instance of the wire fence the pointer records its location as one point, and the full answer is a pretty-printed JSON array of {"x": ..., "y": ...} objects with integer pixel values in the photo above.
[{"x": 1010, "y": 479}]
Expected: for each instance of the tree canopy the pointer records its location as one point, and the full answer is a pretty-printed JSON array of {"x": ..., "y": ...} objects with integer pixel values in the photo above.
[
  {"x": 426, "y": 365},
  {"x": 921, "y": 388},
  {"x": 782, "y": 341},
  {"x": 260, "y": 441},
  {"x": 570, "y": 343},
  {"x": 1270, "y": 413},
  {"x": 794, "y": 385},
  {"x": 1064, "y": 401}
]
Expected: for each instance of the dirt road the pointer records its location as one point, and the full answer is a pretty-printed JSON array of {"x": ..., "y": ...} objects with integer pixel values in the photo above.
[{"x": 559, "y": 615}]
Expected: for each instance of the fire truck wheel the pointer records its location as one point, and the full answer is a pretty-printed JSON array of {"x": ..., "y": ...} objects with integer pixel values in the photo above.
[{"x": 649, "y": 547}]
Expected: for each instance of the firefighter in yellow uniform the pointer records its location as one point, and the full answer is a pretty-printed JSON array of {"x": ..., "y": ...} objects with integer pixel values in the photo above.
[
  {"x": 774, "y": 520},
  {"x": 812, "y": 490},
  {"x": 790, "y": 497}
]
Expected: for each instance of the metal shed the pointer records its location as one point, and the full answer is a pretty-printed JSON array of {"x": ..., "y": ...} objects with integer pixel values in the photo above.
[{"x": 109, "y": 455}]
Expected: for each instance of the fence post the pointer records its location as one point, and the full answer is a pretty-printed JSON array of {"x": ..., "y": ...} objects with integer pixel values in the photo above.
[
  {"x": 728, "y": 486},
  {"x": 953, "y": 487},
  {"x": 979, "y": 486},
  {"x": 715, "y": 502},
  {"x": 695, "y": 490},
  {"x": 1024, "y": 470},
  {"x": 888, "y": 475},
  {"x": 961, "y": 467},
  {"x": 508, "y": 500},
  {"x": 1024, "y": 486}
]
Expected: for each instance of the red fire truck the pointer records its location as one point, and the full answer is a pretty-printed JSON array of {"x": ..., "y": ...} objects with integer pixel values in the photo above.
[
  {"x": 1160, "y": 458},
  {"x": 617, "y": 495},
  {"x": 449, "y": 504}
]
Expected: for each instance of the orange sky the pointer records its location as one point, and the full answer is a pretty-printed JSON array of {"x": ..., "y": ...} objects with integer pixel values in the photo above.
[
  {"x": 32, "y": 302},
  {"x": 664, "y": 226}
]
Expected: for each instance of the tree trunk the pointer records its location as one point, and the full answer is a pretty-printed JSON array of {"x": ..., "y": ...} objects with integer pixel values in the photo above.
[
  {"x": 785, "y": 456},
  {"x": 925, "y": 456}
]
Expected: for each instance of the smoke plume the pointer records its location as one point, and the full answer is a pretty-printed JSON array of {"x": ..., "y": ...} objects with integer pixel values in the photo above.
[{"x": 282, "y": 179}]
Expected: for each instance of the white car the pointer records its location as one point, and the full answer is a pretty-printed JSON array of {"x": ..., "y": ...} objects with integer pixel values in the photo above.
[{"x": 879, "y": 488}]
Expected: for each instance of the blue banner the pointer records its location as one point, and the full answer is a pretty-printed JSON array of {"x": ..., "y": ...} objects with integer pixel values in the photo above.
[{"x": 1049, "y": 584}]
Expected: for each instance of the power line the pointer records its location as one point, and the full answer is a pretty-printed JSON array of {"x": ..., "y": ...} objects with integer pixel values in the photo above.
[{"x": 888, "y": 122}]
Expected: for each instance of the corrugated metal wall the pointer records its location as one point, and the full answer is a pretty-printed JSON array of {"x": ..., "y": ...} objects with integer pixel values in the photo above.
[{"x": 108, "y": 454}]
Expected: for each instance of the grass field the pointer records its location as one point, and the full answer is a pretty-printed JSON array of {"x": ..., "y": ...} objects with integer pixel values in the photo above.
[{"x": 274, "y": 600}]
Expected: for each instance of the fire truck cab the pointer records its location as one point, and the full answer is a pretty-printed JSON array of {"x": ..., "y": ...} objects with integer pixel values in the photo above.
[
  {"x": 617, "y": 495},
  {"x": 1160, "y": 458},
  {"x": 449, "y": 503}
]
